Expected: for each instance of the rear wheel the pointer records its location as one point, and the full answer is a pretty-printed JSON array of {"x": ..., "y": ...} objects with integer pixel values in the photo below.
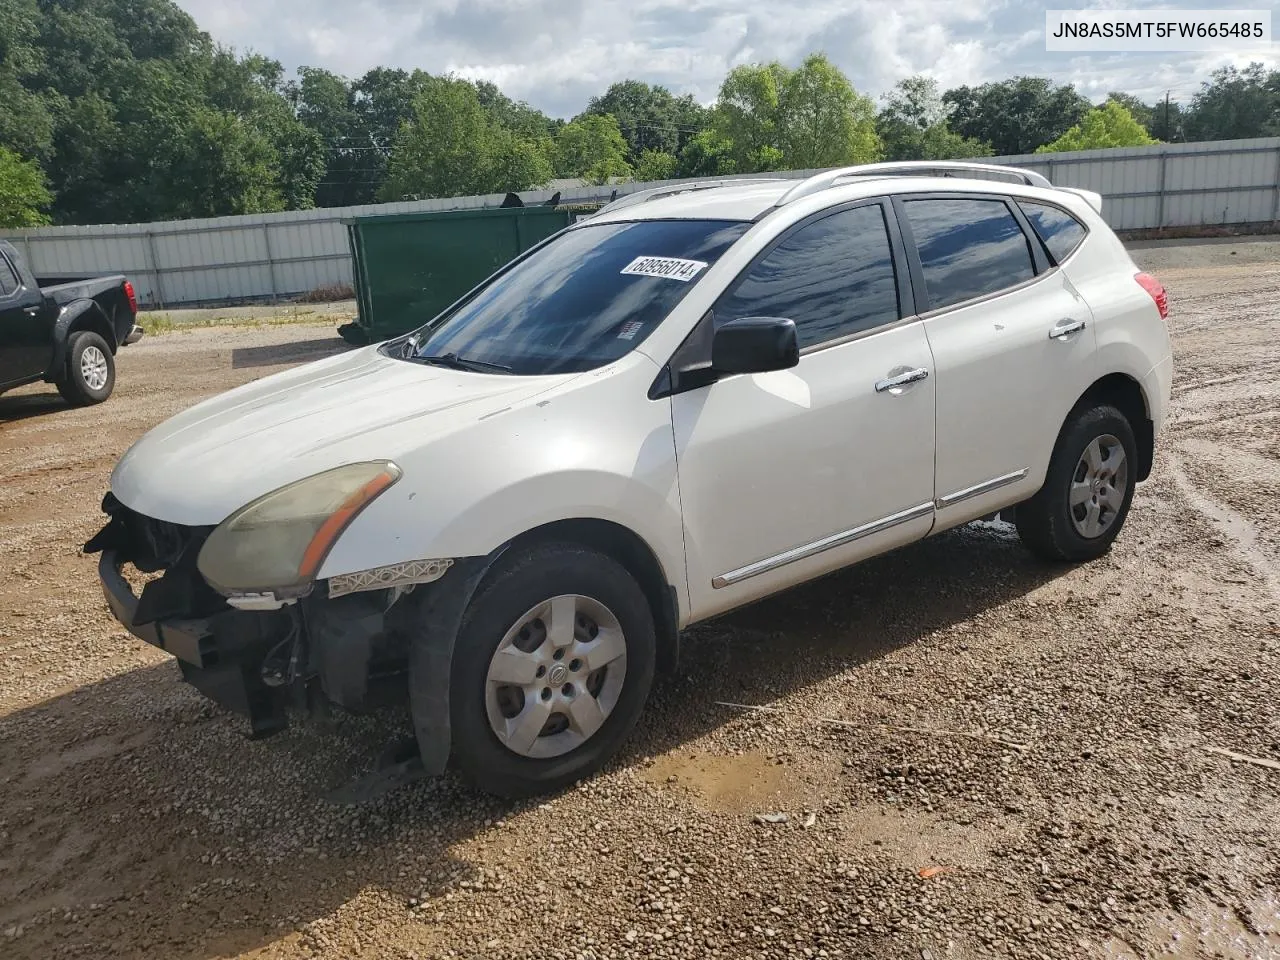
[
  {"x": 551, "y": 669},
  {"x": 1087, "y": 491},
  {"x": 90, "y": 373}
]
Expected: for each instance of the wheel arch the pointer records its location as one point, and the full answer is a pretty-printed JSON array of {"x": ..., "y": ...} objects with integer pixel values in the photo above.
[
  {"x": 629, "y": 549},
  {"x": 1125, "y": 394},
  {"x": 77, "y": 316}
]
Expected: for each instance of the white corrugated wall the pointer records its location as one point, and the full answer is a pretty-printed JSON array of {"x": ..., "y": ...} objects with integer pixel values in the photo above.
[{"x": 285, "y": 254}]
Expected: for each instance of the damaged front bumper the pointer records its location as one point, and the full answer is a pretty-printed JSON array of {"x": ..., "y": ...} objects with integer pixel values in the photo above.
[
  {"x": 222, "y": 655},
  {"x": 354, "y": 643},
  {"x": 349, "y": 651}
]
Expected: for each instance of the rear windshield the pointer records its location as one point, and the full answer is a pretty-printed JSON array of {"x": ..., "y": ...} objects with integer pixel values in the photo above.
[{"x": 586, "y": 298}]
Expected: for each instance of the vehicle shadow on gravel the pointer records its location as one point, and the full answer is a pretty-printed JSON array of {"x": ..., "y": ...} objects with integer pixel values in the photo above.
[
  {"x": 13, "y": 408},
  {"x": 300, "y": 351},
  {"x": 137, "y": 795}
]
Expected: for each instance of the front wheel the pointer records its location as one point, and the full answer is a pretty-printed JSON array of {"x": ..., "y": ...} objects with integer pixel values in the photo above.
[
  {"x": 551, "y": 670},
  {"x": 90, "y": 373},
  {"x": 1087, "y": 490}
]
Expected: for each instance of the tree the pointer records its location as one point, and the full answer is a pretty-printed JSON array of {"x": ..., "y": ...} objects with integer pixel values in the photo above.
[
  {"x": 517, "y": 164},
  {"x": 940, "y": 142},
  {"x": 1168, "y": 121},
  {"x": 1235, "y": 104},
  {"x": 223, "y": 167},
  {"x": 707, "y": 155},
  {"x": 915, "y": 102},
  {"x": 452, "y": 147},
  {"x": 23, "y": 194},
  {"x": 823, "y": 121},
  {"x": 1109, "y": 125},
  {"x": 1015, "y": 116},
  {"x": 25, "y": 121},
  {"x": 913, "y": 125},
  {"x": 1142, "y": 112},
  {"x": 745, "y": 117},
  {"x": 650, "y": 117},
  {"x": 774, "y": 118},
  {"x": 353, "y": 163},
  {"x": 116, "y": 98},
  {"x": 252, "y": 90},
  {"x": 521, "y": 119},
  {"x": 655, "y": 165},
  {"x": 591, "y": 147}
]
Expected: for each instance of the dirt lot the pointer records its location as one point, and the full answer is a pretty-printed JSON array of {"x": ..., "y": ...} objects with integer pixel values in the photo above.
[{"x": 1041, "y": 734}]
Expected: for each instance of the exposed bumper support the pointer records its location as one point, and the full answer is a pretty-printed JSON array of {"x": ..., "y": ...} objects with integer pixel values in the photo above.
[
  {"x": 189, "y": 640},
  {"x": 221, "y": 656}
]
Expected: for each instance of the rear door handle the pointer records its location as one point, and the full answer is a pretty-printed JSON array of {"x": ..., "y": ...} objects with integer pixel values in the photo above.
[
  {"x": 895, "y": 384},
  {"x": 31, "y": 311},
  {"x": 1066, "y": 328}
]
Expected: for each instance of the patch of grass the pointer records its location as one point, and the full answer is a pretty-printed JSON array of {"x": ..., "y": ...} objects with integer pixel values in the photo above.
[
  {"x": 157, "y": 324},
  {"x": 160, "y": 324},
  {"x": 329, "y": 293}
]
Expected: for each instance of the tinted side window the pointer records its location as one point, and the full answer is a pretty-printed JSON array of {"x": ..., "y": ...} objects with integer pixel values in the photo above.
[
  {"x": 968, "y": 248},
  {"x": 592, "y": 294},
  {"x": 8, "y": 280},
  {"x": 833, "y": 277},
  {"x": 1060, "y": 231}
]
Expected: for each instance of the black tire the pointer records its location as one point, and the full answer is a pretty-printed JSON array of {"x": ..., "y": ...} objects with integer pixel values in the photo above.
[
  {"x": 72, "y": 384},
  {"x": 517, "y": 586},
  {"x": 1045, "y": 521}
]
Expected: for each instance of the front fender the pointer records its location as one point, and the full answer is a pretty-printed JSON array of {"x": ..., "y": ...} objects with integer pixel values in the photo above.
[{"x": 600, "y": 451}]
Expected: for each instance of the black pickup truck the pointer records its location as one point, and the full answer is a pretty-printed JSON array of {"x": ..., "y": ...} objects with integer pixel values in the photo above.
[{"x": 66, "y": 334}]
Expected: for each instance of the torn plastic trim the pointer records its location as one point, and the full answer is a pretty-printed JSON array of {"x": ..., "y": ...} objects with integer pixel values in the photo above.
[{"x": 395, "y": 575}]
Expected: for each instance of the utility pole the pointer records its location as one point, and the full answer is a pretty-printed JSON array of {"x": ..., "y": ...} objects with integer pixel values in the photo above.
[{"x": 1166, "y": 116}]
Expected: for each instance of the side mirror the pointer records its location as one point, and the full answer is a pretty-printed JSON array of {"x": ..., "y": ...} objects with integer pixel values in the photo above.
[{"x": 755, "y": 345}]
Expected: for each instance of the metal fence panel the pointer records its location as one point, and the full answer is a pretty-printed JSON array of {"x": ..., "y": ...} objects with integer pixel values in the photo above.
[{"x": 286, "y": 254}]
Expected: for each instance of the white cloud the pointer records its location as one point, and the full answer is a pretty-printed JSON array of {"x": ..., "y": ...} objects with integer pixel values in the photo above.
[{"x": 558, "y": 53}]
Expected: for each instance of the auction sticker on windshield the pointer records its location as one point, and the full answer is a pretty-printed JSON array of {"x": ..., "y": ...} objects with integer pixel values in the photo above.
[{"x": 669, "y": 268}]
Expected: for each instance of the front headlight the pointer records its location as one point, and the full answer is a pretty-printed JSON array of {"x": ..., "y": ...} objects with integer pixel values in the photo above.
[{"x": 277, "y": 543}]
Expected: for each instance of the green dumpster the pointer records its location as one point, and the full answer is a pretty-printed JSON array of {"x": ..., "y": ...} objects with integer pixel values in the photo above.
[{"x": 409, "y": 266}]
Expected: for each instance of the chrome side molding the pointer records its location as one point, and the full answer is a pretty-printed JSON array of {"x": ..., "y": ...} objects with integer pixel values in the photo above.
[
  {"x": 978, "y": 489},
  {"x": 820, "y": 546}
]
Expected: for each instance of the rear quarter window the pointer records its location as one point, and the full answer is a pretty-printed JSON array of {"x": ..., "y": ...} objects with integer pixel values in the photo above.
[
  {"x": 1060, "y": 232},
  {"x": 968, "y": 248},
  {"x": 8, "y": 279}
]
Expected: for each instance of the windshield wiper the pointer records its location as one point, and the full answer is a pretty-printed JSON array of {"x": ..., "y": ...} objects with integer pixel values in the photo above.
[{"x": 455, "y": 362}]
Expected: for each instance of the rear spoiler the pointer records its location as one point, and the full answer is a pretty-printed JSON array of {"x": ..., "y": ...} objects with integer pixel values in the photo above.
[{"x": 1093, "y": 199}]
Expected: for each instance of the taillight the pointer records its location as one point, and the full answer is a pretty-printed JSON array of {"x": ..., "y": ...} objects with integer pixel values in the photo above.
[
  {"x": 131, "y": 297},
  {"x": 1153, "y": 286}
]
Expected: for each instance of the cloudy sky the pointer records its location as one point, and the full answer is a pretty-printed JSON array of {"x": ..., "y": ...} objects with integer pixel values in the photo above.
[{"x": 557, "y": 53}]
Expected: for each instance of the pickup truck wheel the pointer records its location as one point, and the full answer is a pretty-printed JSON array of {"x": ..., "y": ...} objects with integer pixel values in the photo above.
[
  {"x": 90, "y": 373},
  {"x": 1087, "y": 491},
  {"x": 551, "y": 669}
]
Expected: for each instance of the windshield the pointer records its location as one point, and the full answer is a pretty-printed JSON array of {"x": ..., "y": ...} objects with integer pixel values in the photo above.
[{"x": 586, "y": 298}]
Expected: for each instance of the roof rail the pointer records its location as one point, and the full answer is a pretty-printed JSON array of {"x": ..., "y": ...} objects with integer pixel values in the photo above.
[
  {"x": 653, "y": 193},
  {"x": 945, "y": 168}
]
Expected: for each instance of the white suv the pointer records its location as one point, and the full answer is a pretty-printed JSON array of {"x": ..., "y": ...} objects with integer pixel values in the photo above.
[{"x": 700, "y": 396}]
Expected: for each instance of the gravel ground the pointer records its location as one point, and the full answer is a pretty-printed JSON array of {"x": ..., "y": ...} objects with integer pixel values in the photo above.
[{"x": 977, "y": 755}]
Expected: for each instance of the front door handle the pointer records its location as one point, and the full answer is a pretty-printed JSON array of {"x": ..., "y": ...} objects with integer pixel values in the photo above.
[
  {"x": 1066, "y": 328},
  {"x": 895, "y": 383}
]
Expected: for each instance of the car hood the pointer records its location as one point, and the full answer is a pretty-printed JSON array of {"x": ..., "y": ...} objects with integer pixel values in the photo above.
[{"x": 201, "y": 465}]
